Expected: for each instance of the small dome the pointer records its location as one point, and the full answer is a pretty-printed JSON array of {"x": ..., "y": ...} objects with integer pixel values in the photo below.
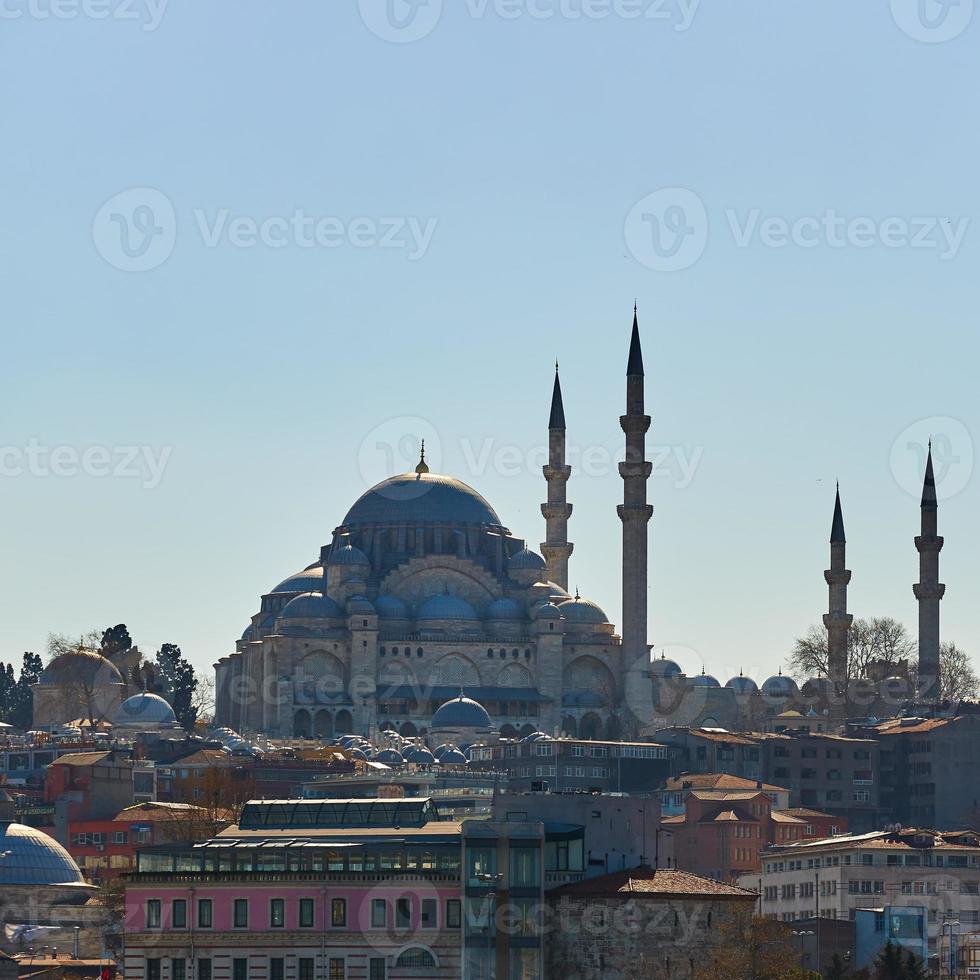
[
  {"x": 145, "y": 709},
  {"x": 31, "y": 857},
  {"x": 311, "y": 605},
  {"x": 419, "y": 755},
  {"x": 454, "y": 757},
  {"x": 440, "y": 750},
  {"x": 348, "y": 555},
  {"x": 360, "y": 605},
  {"x": 461, "y": 712},
  {"x": 704, "y": 680},
  {"x": 248, "y": 634},
  {"x": 506, "y": 609},
  {"x": 390, "y": 757},
  {"x": 310, "y": 580},
  {"x": 447, "y": 607},
  {"x": 779, "y": 686},
  {"x": 546, "y": 610},
  {"x": 391, "y": 607},
  {"x": 580, "y": 610},
  {"x": 526, "y": 560},
  {"x": 665, "y": 669},
  {"x": 81, "y": 667},
  {"x": 818, "y": 687},
  {"x": 358, "y": 754},
  {"x": 742, "y": 685}
]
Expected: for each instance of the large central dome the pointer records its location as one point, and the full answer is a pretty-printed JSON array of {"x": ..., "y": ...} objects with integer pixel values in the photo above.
[{"x": 421, "y": 498}]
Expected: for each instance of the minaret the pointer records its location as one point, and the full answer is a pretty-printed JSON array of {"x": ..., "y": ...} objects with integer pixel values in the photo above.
[
  {"x": 929, "y": 590},
  {"x": 635, "y": 512},
  {"x": 837, "y": 620},
  {"x": 557, "y": 510}
]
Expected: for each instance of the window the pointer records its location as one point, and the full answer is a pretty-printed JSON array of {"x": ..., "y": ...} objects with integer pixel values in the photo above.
[
  {"x": 153, "y": 968},
  {"x": 277, "y": 913},
  {"x": 239, "y": 968},
  {"x": 178, "y": 913},
  {"x": 306, "y": 913},
  {"x": 453, "y": 913},
  {"x": 337, "y": 967},
  {"x": 403, "y": 913},
  {"x": 428, "y": 919},
  {"x": 306, "y": 968},
  {"x": 178, "y": 969},
  {"x": 204, "y": 969},
  {"x": 120, "y": 837},
  {"x": 338, "y": 912},
  {"x": 379, "y": 914},
  {"x": 204, "y": 915},
  {"x": 416, "y": 958},
  {"x": 376, "y": 965},
  {"x": 240, "y": 919},
  {"x": 153, "y": 915},
  {"x": 277, "y": 968},
  {"x": 524, "y": 867}
]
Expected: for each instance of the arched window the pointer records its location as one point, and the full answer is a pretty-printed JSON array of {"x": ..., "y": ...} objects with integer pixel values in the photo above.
[
  {"x": 416, "y": 958},
  {"x": 418, "y": 653},
  {"x": 394, "y": 651},
  {"x": 382, "y": 651}
]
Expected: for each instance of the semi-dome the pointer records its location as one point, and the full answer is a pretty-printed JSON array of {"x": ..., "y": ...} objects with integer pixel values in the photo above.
[
  {"x": 145, "y": 709},
  {"x": 80, "y": 667},
  {"x": 579, "y": 610},
  {"x": 421, "y": 498},
  {"x": 779, "y": 686},
  {"x": 447, "y": 607},
  {"x": 348, "y": 555},
  {"x": 742, "y": 685},
  {"x": 391, "y": 607},
  {"x": 311, "y": 605},
  {"x": 526, "y": 560},
  {"x": 461, "y": 712},
  {"x": 31, "y": 857},
  {"x": 505, "y": 609},
  {"x": 310, "y": 580}
]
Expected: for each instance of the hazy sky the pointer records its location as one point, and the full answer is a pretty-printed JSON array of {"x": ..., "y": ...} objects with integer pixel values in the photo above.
[{"x": 262, "y": 243}]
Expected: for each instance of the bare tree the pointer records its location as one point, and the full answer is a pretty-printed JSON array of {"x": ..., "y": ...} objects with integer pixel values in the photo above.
[
  {"x": 958, "y": 681},
  {"x": 203, "y": 699},
  {"x": 872, "y": 643}
]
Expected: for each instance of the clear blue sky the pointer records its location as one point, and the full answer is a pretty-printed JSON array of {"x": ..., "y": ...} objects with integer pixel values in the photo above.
[{"x": 265, "y": 371}]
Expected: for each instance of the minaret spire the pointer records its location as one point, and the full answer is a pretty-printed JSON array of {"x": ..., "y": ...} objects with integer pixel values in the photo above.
[
  {"x": 837, "y": 620},
  {"x": 635, "y": 512},
  {"x": 557, "y": 549},
  {"x": 929, "y": 590}
]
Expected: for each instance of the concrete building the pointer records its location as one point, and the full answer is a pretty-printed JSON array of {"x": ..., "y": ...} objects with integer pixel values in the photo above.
[
  {"x": 88, "y": 786},
  {"x": 639, "y": 923},
  {"x": 676, "y": 789}
]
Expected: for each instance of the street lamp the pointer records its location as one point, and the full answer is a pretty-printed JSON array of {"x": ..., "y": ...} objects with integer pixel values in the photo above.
[
  {"x": 802, "y": 934},
  {"x": 943, "y": 962}
]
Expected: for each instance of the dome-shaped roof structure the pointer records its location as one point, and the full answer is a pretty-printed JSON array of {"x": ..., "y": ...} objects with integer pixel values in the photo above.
[
  {"x": 421, "y": 498},
  {"x": 31, "y": 857},
  {"x": 419, "y": 755},
  {"x": 579, "y": 610},
  {"x": 310, "y": 580},
  {"x": 311, "y": 605},
  {"x": 391, "y": 607},
  {"x": 348, "y": 555},
  {"x": 440, "y": 750},
  {"x": 664, "y": 668},
  {"x": 506, "y": 609},
  {"x": 390, "y": 757},
  {"x": 454, "y": 757},
  {"x": 704, "y": 680},
  {"x": 817, "y": 687},
  {"x": 779, "y": 686},
  {"x": 360, "y": 605},
  {"x": 145, "y": 709},
  {"x": 742, "y": 685},
  {"x": 248, "y": 634},
  {"x": 526, "y": 560},
  {"x": 80, "y": 667},
  {"x": 359, "y": 754},
  {"x": 447, "y": 607},
  {"x": 461, "y": 712},
  {"x": 546, "y": 610}
]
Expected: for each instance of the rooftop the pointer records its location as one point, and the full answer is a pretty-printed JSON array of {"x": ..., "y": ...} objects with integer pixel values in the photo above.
[{"x": 645, "y": 882}]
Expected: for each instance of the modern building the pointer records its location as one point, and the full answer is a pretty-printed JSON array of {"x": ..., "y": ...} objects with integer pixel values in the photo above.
[{"x": 905, "y": 926}]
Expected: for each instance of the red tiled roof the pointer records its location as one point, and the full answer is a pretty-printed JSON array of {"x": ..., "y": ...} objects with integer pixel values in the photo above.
[
  {"x": 719, "y": 781},
  {"x": 644, "y": 882}
]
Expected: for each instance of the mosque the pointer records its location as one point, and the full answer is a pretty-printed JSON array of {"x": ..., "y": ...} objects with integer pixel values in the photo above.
[{"x": 423, "y": 595}]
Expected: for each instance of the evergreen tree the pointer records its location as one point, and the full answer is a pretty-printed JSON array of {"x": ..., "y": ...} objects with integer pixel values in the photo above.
[
  {"x": 8, "y": 684},
  {"x": 115, "y": 640},
  {"x": 22, "y": 700},
  {"x": 914, "y": 968},
  {"x": 176, "y": 675},
  {"x": 838, "y": 969},
  {"x": 890, "y": 964}
]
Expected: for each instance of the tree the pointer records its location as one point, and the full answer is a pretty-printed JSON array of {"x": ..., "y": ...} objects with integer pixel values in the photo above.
[
  {"x": 203, "y": 701},
  {"x": 958, "y": 681},
  {"x": 22, "y": 699},
  {"x": 8, "y": 687},
  {"x": 838, "y": 969},
  {"x": 61, "y": 643},
  {"x": 890, "y": 963},
  {"x": 177, "y": 677},
  {"x": 752, "y": 948},
  {"x": 115, "y": 640}
]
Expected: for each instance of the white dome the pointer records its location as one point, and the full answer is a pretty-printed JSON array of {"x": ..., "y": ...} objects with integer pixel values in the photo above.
[
  {"x": 145, "y": 709},
  {"x": 31, "y": 857}
]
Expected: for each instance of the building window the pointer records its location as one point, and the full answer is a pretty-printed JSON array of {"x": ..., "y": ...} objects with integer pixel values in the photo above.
[
  {"x": 403, "y": 913},
  {"x": 120, "y": 837},
  {"x": 153, "y": 968},
  {"x": 204, "y": 969},
  {"x": 306, "y": 913},
  {"x": 277, "y": 913},
  {"x": 153, "y": 915},
  {"x": 204, "y": 915},
  {"x": 376, "y": 968},
  {"x": 379, "y": 914},
  {"x": 277, "y": 968},
  {"x": 417, "y": 959},
  {"x": 338, "y": 912},
  {"x": 428, "y": 920},
  {"x": 453, "y": 913},
  {"x": 306, "y": 968},
  {"x": 240, "y": 920},
  {"x": 524, "y": 867},
  {"x": 178, "y": 969},
  {"x": 178, "y": 913},
  {"x": 337, "y": 970},
  {"x": 239, "y": 968}
]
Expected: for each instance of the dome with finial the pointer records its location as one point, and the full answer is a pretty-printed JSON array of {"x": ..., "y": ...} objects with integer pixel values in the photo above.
[
  {"x": 742, "y": 684},
  {"x": 348, "y": 555},
  {"x": 664, "y": 668},
  {"x": 705, "y": 680},
  {"x": 779, "y": 686},
  {"x": 582, "y": 611},
  {"x": 461, "y": 712}
]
